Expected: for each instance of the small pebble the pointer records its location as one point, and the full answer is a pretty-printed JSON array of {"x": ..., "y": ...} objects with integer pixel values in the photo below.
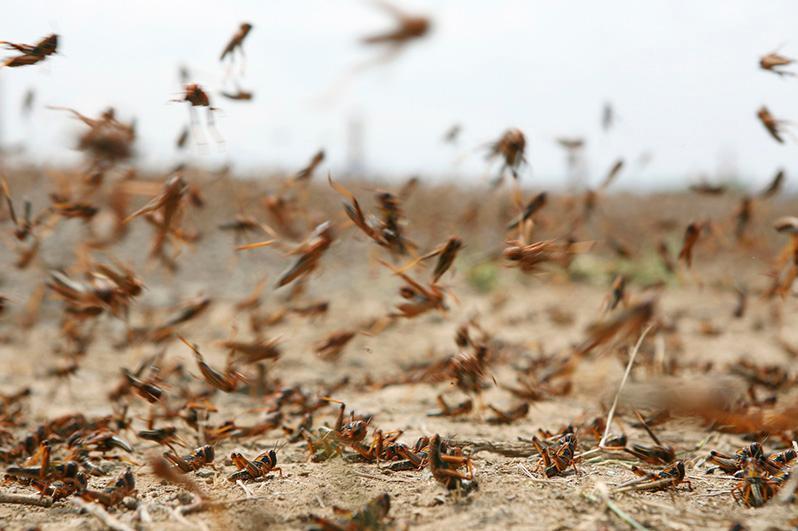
[{"x": 130, "y": 503}]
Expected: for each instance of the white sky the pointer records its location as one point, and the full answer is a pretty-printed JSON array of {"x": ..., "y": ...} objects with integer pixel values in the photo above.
[{"x": 682, "y": 75}]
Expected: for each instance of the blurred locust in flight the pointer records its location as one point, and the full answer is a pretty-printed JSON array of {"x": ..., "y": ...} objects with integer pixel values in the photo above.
[
  {"x": 452, "y": 134},
  {"x": 773, "y": 125},
  {"x": 691, "y": 235},
  {"x": 196, "y": 96},
  {"x": 239, "y": 95},
  {"x": 310, "y": 252},
  {"x": 306, "y": 173},
  {"x": 166, "y": 210},
  {"x": 446, "y": 254},
  {"x": 786, "y": 266},
  {"x": 607, "y": 116},
  {"x": 420, "y": 299},
  {"x": 236, "y": 42},
  {"x": 108, "y": 140},
  {"x": 531, "y": 208},
  {"x": 31, "y": 53},
  {"x": 705, "y": 187},
  {"x": 408, "y": 28},
  {"x": 511, "y": 147},
  {"x": 775, "y": 185},
  {"x": 386, "y": 232},
  {"x": 775, "y": 62},
  {"x": 24, "y": 229}
]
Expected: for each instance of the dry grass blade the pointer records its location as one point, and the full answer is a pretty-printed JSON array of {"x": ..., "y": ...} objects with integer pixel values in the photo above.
[
  {"x": 620, "y": 513},
  {"x": 102, "y": 515},
  {"x": 632, "y": 356},
  {"x": 524, "y": 470},
  {"x": 256, "y": 245},
  {"x": 17, "y": 499}
]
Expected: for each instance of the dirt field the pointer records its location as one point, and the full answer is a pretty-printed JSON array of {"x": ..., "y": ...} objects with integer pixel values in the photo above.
[{"x": 524, "y": 317}]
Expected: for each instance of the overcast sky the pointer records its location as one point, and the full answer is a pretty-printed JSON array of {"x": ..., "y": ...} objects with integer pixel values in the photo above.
[{"x": 682, "y": 75}]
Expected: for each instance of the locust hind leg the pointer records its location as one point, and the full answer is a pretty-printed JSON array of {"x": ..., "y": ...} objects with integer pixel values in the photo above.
[
  {"x": 365, "y": 453},
  {"x": 443, "y": 405},
  {"x": 456, "y": 474},
  {"x": 643, "y": 473},
  {"x": 339, "y": 421},
  {"x": 251, "y": 467},
  {"x": 178, "y": 462}
]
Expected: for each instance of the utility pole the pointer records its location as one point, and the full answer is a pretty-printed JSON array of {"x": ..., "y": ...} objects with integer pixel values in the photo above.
[{"x": 355, "y": 165}]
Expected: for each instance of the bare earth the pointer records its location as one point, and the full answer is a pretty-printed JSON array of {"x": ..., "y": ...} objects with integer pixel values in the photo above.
[{"x": 515, "y": 309}]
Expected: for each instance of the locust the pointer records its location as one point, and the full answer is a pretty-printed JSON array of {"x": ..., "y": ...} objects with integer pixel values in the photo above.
[
  {"x": 236, "y": 42},
  {"x": 511, "y": 148},
  {"x": 31, "y": 54},
  {"x": 773, "y": 125},
  {"x": 775, "y": 62},
  {"x": 260, "y": 467}
]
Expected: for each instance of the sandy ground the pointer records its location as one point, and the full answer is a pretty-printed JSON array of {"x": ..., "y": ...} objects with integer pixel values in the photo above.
[{"x": 516, "y": 311}]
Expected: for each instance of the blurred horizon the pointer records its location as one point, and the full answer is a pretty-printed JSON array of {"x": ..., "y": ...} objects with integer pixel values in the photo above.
[{"x": 683, "y": 79}]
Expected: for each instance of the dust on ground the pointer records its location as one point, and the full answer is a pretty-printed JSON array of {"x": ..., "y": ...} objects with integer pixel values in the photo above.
[{"x": 530, "y": 315}]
